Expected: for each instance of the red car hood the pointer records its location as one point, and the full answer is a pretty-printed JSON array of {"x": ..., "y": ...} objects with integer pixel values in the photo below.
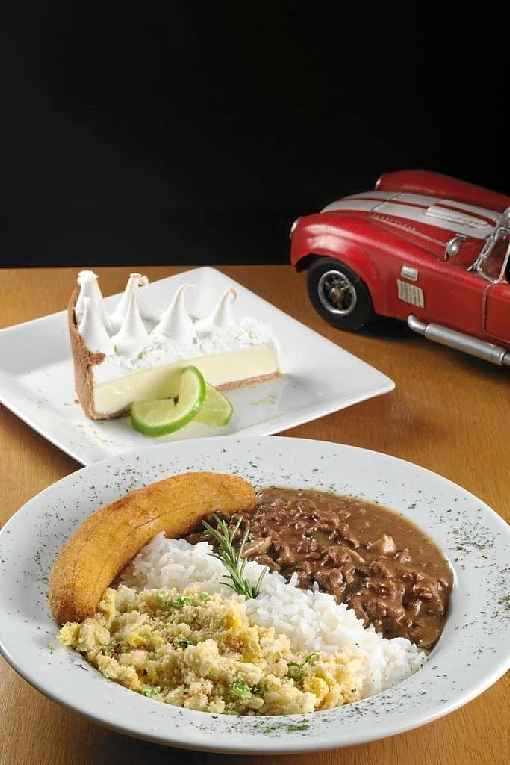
[{"x": 427, "y": 220}]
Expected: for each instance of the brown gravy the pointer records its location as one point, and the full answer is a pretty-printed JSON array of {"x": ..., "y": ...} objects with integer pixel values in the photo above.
[{"x": 367, "y": 556}]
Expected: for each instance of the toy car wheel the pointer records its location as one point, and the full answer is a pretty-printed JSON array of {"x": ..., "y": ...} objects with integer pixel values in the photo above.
[{"x": 339, "y": 295}]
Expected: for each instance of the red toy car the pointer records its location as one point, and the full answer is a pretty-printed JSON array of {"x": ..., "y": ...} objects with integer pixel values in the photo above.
[{"x": 422, "y": 247}]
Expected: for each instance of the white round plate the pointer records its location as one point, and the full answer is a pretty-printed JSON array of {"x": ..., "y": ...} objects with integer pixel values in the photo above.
[{"x": 470, "y": 656}]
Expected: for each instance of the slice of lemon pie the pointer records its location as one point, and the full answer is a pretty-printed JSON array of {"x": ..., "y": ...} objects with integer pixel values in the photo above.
[{"x": 128, "y": 355}]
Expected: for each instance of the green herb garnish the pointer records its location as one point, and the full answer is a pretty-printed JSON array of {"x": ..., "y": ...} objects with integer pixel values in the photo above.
[
  {"x": 296, "y": 727},
  {"x": 297, "y": 670},
  {"x": 179, "y": 602},
  {"x": 150, "y": 691},
  {"x": 204, "y": 596},
  {"x": 233, "y": 559},
  {"x": 240, "y": 689}
]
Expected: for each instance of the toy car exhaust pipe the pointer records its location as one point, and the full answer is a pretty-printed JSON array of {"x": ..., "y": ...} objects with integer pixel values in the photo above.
[{"x": 461, "y": 342}]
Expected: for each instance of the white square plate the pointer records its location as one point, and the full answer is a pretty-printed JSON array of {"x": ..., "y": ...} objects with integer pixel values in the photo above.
[{"x": 37, "y": 383}]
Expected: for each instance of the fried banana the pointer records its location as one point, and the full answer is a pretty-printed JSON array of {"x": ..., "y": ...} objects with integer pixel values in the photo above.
[{"x": 105, "y": 543}]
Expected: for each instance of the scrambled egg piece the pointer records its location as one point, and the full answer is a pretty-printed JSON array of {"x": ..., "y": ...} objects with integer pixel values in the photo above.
[{"x": 200, "y": 651}]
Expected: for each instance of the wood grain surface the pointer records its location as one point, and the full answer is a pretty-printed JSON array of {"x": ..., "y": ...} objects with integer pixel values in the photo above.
[{"x": 449, "y": 413}]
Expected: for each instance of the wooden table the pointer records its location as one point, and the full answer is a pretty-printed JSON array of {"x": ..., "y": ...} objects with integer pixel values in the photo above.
[{"x": 449, "y": 413}]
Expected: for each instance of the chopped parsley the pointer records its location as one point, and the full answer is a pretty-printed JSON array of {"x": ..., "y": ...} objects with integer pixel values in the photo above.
[
  {"x": 296, "y": 727},
  {"x": 179, "y": 602},
  {"x": 298, "y": 670},
  {"x": 151, "y": 691},
  {"x": 240, "y": 689}
]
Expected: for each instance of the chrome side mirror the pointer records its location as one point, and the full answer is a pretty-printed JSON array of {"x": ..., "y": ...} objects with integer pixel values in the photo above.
[{"x": 453, "y": 246}]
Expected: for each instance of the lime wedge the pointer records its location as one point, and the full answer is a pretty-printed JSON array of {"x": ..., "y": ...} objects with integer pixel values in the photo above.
[
  {"x": 163, "y": 416},
  {"x": 216, "y": 409}
]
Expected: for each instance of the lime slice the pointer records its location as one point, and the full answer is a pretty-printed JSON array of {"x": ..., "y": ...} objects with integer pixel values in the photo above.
[
  {"x": 216, "y": 409},
  {"x": 163, "y": 416}
]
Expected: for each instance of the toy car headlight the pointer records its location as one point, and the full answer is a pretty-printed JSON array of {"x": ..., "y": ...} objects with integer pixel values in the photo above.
[{"x": 453, "y": 246}]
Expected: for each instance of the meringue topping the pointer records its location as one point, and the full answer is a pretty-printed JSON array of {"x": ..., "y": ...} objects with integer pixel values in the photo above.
[
  {"x": 137, "y": 337},
  {"x": 176, "y": 322},
  {"x": 89, "y": 288},
  {"x": 92, "y": 328},
  {"x": 132, "y": 336},
  {"x": 134, "y": 282},
  {"x": 222, "y": 315}
]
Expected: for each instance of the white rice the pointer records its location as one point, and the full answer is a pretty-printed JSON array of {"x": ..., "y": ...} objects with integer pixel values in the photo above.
[{"x": 312, "y": 620}]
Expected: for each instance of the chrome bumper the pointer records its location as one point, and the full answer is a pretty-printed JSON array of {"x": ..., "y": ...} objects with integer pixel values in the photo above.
[{"x": 495, "y": 354}]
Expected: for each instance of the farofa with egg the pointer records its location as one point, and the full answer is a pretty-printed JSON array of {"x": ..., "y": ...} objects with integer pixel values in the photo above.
[{"x": 200, "y": 651}]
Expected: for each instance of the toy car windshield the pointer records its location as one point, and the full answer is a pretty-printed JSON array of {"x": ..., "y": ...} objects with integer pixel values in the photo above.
[{"x": 492, "y": 262}]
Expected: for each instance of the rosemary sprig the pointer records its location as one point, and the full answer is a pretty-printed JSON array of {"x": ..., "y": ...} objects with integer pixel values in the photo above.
[{"x": 233, "y": 559}]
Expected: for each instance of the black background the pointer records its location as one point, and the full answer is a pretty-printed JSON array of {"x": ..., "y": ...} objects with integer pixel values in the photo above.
[{"x": 196, "y": 135}]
